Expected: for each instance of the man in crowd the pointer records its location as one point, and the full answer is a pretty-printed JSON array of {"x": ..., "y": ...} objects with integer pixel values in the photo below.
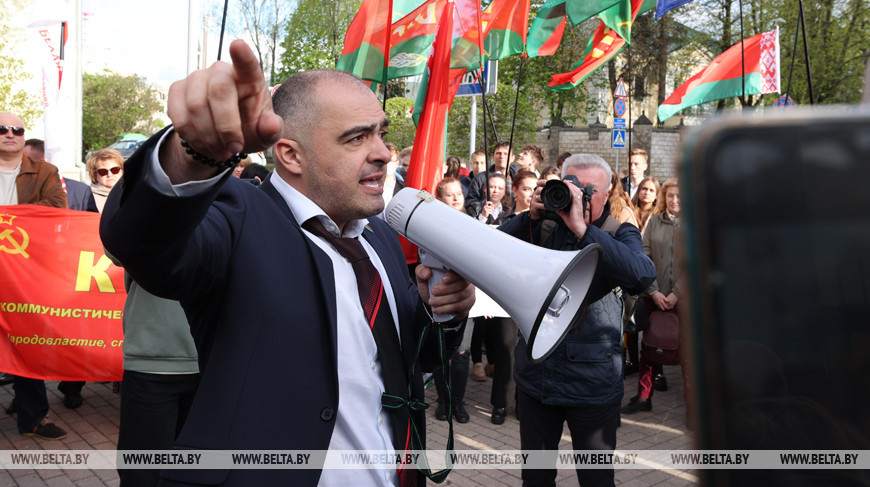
[
  {"x": 24, "y": 181},
  {"x": 337, "y": 320},
  {"x": 402, "y": 170},
  {"x": 531, "y": 157},
  {"x": 581, "y": 381},
  {"x": 501, "y": 157},
  {"x": 476, "y": 166},
  {"x": 638, "y": 162}
]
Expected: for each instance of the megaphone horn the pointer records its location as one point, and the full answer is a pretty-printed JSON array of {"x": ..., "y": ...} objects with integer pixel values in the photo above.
[{"x": 554, "y": 282}]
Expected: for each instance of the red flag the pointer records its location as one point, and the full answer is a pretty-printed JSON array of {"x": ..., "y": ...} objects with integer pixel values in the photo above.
[
  {"x": 62, "y": 304},
  {"x": 425, "y": 169}
]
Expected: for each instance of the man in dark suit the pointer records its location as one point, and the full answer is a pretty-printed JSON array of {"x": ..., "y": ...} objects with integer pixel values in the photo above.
[{"x": 302, "y": 369}]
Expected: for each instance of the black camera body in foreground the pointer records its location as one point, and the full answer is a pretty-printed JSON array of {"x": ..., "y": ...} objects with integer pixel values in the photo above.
[{"x": 556, "y": 196}]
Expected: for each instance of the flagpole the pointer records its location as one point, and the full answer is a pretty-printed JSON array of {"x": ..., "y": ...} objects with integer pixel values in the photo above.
[
  {"x": 793, "y": 56},
  {"x": 485, "y": 147},
  {"x": 806, "y": 51},
  {"x": 487, "y": 110},
  {"x": 516, "y": 104},
  {"x": 630, "y": 83},
  {"x": 387, "y": 51},
  {"x": 742, "y": 57},
  {"x": 223, "y": 25}
]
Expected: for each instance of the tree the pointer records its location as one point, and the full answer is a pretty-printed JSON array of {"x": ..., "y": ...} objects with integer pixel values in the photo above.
[
  {"x": 838, "y": 37},
  {"x": 13, "y": 98},
  {"x": 502, "y": 106},
  {"x": 402, "y": 129},
  {"x": 113, "y": 104},
  {"x": 315, "y": 34},
  {"x": 570, "y": 105}
]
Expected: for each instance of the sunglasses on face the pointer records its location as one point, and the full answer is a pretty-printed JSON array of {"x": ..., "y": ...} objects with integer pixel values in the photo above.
[
  {"x": 19, "y": 131},
  {"x": 105, "y": 172}
]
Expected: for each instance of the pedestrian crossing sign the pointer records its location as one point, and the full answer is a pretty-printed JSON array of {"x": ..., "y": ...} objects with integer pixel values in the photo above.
[{"x": 617, "y": 139}]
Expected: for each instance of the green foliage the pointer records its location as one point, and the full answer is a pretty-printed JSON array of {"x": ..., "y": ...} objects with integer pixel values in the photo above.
[
  {"x": 113, "y": 104},
  {"x": 13, "y": 98},
  {"x": 570, "y": 105},
  {"x": 402, "y": 129},
  {"x": 315, "y": 35},
  {"x": 838, "y": 34},
  {"x": 502, "y": 106}
]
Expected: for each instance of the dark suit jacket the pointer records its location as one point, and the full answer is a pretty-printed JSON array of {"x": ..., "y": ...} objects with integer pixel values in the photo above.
[
  {"x": 79, "y": 196},
  {"x": 260, "y": 300}
]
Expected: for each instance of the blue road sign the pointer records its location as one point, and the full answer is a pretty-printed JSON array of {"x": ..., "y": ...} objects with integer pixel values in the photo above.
[
  {"x": 619, "y": 107},
  {"x": 617, "y": 139},
  {"x": 619, "y": 123},
  {"x": 471, "y": 87}
]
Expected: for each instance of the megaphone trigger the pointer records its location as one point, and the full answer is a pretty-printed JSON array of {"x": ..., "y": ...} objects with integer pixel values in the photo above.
[{"x": 438, "y": 270}]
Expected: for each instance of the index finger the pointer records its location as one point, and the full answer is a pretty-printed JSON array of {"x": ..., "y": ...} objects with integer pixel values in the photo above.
[{"x": 245, "y": 64}]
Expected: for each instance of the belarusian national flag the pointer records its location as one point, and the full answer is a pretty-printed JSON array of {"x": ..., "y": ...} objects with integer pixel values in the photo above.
[
  {"x": 547, "y": 29},
  {"x": 604, "y": 44},
  {"x": 427, "y": 159},
  {"x": 366, "y": 43},
  {"x": 722, "y": 77},
  {"x": 506, "y": 23}
]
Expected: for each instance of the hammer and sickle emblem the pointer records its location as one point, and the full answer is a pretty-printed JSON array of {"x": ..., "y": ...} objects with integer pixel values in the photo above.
[{"x": 17, "y": 248}]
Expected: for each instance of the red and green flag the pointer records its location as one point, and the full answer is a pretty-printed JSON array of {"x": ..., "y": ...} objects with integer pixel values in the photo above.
[
  {"x": 620, "y": 16},
  {"x": 604, "y": 44},
  {"x": 427, "y": 159},
  {"x": 546, "y": 32},
  {"x": 723, "y": 77},
  {"x": 366, "y": 43},
  {"x": 505, "y": 24},
  {"x": 412, "y": 36},
  {"x": 580, "y": 11}
]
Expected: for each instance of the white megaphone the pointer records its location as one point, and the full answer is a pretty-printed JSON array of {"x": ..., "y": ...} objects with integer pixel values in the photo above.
[{"x": 553, "y": 283}]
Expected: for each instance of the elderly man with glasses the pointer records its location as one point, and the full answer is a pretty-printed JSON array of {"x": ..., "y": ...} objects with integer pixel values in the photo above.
[{"x": 24, "y": 181}]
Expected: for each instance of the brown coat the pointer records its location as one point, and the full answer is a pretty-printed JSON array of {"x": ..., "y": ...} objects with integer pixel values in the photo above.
[{"x": 38, "y": 183}]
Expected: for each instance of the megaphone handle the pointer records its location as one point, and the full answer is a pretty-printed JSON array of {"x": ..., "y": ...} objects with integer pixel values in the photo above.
[{"x": 438, "y": 271}]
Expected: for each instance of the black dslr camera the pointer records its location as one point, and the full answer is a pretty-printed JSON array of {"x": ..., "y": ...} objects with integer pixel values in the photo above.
[{"x": 556, "y": 195}]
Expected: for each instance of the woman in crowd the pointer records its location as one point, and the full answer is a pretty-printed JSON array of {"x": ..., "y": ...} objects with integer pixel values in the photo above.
[
  {"x": 620, "y": 204},
  {"x": 452, "y": 167},
  {"x": 237, "y": 171},
  {"x": 105, "y": 167},
  {"x": 524, "y": 187},
  {"x": 644, "y": 200},
  {"x": 495, "y": 211},
  {"x": 659, "y": 239},
  {"x": 449, "y": 191}
]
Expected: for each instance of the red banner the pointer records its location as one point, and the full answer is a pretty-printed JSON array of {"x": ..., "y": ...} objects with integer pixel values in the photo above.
[{"x": 62, "y": 299}]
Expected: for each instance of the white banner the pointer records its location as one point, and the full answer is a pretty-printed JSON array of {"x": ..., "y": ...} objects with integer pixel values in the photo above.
[{"x": 51, "y": 23}]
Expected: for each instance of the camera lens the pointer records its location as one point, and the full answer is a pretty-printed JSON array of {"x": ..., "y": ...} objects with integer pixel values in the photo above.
[{"x": 556, "y": 195}]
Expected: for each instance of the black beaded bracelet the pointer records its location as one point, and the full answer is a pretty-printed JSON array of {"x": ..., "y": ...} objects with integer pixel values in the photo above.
[{"x": 232, "y": 161}]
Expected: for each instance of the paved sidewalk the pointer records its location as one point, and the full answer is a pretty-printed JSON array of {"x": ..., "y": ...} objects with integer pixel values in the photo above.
[{"x": 95, "y": 426}]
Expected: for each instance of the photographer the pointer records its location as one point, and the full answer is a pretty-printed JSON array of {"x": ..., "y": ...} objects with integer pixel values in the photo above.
[{"x": 581, "y": 381}]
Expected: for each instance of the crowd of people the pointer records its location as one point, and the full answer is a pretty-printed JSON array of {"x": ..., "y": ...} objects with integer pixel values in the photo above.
[{"x": 308, "y": 240}]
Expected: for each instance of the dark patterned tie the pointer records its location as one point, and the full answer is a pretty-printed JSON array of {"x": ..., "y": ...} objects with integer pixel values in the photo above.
[{"x": 380, "y": 320}]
